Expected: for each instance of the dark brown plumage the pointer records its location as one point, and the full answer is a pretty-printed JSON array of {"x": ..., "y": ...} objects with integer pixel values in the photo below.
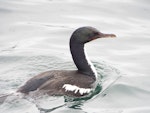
[
  {"x": 51, "y": 82},
  {"x": 74, "y": 83}
]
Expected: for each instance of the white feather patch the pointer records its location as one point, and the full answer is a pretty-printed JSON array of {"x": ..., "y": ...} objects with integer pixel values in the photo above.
[
  {"x": 90, "y": 63},
  {"x": 75, "y": 89}
]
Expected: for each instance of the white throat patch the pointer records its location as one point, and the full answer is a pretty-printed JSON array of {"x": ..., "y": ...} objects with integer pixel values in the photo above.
[{"x": 75, "y": 89}]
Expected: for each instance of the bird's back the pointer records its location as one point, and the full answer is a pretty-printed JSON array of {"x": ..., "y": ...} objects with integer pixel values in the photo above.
[{"x": 59, "y": 82}]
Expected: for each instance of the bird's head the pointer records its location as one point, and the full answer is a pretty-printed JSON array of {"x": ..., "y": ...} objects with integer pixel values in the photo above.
[{"x": 87, "y": 34}]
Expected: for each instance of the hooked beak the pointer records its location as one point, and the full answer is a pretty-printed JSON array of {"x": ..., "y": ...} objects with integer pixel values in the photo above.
[{"x": 103, "y": 35}]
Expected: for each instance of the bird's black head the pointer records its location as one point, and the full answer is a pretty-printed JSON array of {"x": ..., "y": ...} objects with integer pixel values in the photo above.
[{"x": 86, "y": 34}]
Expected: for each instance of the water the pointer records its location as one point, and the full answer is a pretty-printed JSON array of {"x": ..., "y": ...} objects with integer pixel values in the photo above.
[{"x": 34, "y": 36}]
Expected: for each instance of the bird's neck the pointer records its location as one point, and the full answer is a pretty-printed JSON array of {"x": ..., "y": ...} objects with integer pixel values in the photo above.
[{"x": 81, "y": 60}]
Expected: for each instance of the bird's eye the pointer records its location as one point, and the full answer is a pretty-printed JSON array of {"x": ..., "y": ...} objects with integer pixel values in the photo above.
[{"x": 96, "y": 33}]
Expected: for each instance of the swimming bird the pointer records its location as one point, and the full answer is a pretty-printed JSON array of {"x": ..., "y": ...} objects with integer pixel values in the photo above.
[{"x": 74, "y": 83}]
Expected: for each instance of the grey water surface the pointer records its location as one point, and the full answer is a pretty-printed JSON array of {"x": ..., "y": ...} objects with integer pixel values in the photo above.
[{"x": 34, "y": 37}]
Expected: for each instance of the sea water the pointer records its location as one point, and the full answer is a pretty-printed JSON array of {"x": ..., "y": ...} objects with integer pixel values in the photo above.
[{"x": 34, "y": 37}]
